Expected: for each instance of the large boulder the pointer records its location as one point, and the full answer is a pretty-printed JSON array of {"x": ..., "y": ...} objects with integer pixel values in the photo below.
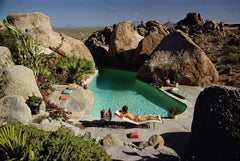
[
  {"x": 6, "y": 58},
  {"x": 20, "y": 81},
  {"x": 39, "y": 27},
  {"x": 178, "y": 53},
  {"x": 145, "y": 49},
  {"x": 215, "y": 132},
  {"x": 79, "y": 102},
  {"x": 14, "y": 108},
  {"x": 123, "y": 42},
  {"x": 98, "y": 43}
]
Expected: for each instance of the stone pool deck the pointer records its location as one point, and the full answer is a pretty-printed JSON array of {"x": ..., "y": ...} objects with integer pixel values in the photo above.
[{"x": 176, "y": 132}]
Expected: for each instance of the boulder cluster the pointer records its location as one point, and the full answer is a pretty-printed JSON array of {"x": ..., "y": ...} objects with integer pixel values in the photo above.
[
  {"x": 18, "y": 83},
  {"x": 194, "y": 24},
  {"x": 155, "y": 52}
]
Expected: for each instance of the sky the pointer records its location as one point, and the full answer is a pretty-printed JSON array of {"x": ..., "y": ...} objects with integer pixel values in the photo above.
[{"x": 89, "y": 13}]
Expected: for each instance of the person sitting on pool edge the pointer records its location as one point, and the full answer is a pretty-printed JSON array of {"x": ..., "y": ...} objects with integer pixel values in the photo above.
[{"x": 124, "y": 112}]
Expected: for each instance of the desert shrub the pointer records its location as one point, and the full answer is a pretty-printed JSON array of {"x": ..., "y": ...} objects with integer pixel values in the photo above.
[
  {"x": 230, "y": 82},
  {"x": 63, "y": 145},
  {"x": 214, "y": 39},
  {"x": 18, "y": 142},
  {"x": 81, "y": 33},
  {"x": 74, "y": 69},
  {"x": 26, "y": 142},
  {"x": 233, "y": 58},
  {"x": 8, "y": 40},
  {"x": 230, "y": 49}
]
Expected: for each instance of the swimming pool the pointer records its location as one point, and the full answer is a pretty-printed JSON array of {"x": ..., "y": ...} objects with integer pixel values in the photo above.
[{"x": 115, "y": 88}]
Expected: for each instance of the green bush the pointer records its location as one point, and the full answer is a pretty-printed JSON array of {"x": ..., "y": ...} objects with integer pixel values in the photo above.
[
  {"x": 24, "y": 142},
  {"x": 18, "y": 142},
  {"x": 74, "y": 69}
]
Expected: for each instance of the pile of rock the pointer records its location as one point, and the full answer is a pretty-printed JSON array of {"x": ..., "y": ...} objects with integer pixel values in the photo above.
[
  {"x": 193, "y": 24},
  {"x": 148, "y": 48},
  {"x": 17, "y": 82}
]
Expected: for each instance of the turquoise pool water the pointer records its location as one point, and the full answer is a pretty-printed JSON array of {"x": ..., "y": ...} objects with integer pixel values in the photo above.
[{"x": 114, "y": 89}]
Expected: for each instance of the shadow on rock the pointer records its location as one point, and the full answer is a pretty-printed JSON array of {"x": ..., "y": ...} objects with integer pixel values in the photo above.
[{"x": 177, "y": 141}]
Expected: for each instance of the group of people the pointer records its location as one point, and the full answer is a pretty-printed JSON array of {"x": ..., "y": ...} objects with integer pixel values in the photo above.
[{"x": 125, "y": 113}]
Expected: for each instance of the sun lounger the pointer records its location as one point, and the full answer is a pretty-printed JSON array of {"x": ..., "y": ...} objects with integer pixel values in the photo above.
[{"x": 117, "y": 114}]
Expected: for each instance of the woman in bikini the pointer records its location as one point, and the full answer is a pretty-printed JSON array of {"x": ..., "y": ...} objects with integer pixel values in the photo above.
[{"x": 137, "y": 118}]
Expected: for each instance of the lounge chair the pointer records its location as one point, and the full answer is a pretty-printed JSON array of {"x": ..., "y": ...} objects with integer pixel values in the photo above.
[{"x": 117, "y": 114}]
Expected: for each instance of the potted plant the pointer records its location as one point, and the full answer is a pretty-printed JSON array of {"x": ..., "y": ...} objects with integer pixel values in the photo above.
[
  {"x": 34, "y": 103},
  {"x": 174, "y": 111}
]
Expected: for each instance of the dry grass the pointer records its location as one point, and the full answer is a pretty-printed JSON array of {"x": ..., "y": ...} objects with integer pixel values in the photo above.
[{"x": 80, "y": 33}]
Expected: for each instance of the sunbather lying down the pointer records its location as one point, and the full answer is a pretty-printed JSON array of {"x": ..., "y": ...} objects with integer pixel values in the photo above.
[{"x": 137, "y": 118}]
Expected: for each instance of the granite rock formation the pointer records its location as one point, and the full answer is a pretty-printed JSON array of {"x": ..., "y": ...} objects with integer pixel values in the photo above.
[
  {"x": 178, "y": 53},
  {"x": 39, "y": 27},
  {"x": 145, "y": 28},
  {"x": 6, "y": 58},
  {"x": 20, "y": 81},
  {"x": 191, "y": 24},
  {"x": 215, "y": 132},
  {"x": 145, "y": 49},
  {"x": 14, "y": 108},
  {"x": 124, "y": 40},
  {"x": 98, "y": 44}
]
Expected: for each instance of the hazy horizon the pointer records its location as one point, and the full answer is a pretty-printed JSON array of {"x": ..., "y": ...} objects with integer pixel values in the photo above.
[{"x": 99, "y": 13}]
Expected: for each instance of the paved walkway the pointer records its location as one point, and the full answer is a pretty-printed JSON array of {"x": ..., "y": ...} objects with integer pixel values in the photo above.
[{"x": 175, "y": 132}]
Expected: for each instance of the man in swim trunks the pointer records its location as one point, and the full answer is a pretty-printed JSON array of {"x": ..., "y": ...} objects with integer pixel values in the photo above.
[{"x": 137, "y": 118}]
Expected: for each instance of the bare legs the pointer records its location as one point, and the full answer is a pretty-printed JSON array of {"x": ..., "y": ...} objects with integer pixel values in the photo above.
[{"x": 146, "y": 118}]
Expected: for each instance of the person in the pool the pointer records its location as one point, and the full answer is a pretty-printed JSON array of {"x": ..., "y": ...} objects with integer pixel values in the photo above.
[{"x": 124, "y": 112}]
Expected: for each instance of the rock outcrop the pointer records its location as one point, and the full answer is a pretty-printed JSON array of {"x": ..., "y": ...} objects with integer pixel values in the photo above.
[
  {"x": 145, "y": 29},
  {"x": 98, "y": 44},
  {"x": 124, "y": 40},
  {"x": 178, "y": 53},
  {"x": 191, "y": 24},
  {"x": 99, "y": 38},
  {"x": 79, "y": 101},
  {"x": 6, "y": 58},
  {"x": 39, "y": 27},
  {"x": 192, "y": 19},
  {"x": 20, "y": 81},
  {"x": 14, "y": 108},
  {"x": 145, "y": 49},
  {"x": 215, "y": 132}
]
